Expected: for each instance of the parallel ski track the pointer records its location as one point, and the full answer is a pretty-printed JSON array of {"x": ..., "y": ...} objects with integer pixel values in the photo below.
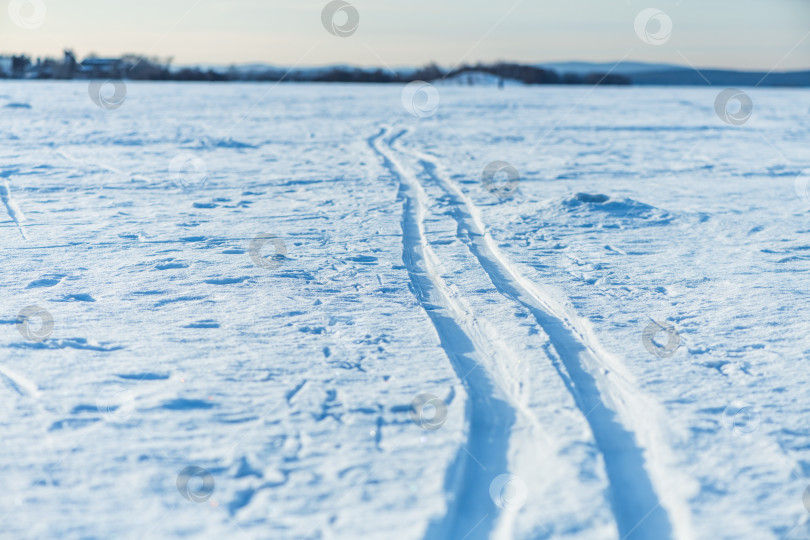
[
  {"x": 471, "y": 512},
  {"x": 636, "y": 506}
]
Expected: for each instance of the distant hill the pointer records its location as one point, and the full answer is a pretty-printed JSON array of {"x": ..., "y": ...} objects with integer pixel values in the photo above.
[
  {"x": 622, "y": 68},
  {"x": 643, "y": 73},
  {"x": 719, "y": 77}
]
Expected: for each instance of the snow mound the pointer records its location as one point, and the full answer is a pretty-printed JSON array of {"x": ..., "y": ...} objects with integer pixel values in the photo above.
[
  {"x": 207, "y": 143},
  {"x": 588, "y": 204},
  {"x": 597, "y": 198}
]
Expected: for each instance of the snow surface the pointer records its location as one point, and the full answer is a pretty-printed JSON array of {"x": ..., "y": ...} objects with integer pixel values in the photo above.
[
  {"x": 389, "y": 272},
  {"x": 477, "y": 78}
]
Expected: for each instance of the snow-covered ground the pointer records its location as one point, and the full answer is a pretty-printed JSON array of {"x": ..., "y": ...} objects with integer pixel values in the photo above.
[{"x": 299, "y": 311}]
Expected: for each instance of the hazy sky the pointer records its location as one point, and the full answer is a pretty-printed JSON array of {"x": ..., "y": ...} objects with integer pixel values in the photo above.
[{"x": 713, "y": 33}]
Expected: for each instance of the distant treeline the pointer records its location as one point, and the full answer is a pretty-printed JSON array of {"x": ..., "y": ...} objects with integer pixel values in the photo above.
[
  {"x": 140, "y": 68},
  {"x": 517, "y": 72},
  {"x": 523, "y": 73},
  {"x": 134, "y": 67}
]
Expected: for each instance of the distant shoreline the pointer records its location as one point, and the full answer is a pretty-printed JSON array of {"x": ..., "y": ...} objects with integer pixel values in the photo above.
[
  {"x": 524, "y": 86},
  {"x": 138, "y": 68}
]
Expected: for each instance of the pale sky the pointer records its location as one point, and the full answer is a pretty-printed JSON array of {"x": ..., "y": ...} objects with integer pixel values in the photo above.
[{"x": 751, "y": 34}]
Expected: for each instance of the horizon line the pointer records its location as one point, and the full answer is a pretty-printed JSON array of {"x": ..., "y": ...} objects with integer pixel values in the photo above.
[{"x": 550, "y": 63}]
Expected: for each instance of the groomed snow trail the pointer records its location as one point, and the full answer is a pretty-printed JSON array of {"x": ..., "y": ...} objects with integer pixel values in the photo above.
[
  {"x": 638, "y": 511},
  {"x": 471, "y": 513}
]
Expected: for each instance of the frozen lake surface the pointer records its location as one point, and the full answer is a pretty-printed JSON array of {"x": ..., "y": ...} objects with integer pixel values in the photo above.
[{"x": 300, "y": 312}]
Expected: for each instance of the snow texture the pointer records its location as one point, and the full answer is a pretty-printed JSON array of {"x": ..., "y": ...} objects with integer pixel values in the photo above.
[{"x": 225, "y": 306}]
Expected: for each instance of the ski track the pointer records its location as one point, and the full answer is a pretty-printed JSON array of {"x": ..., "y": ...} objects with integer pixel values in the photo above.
[
  {"x": 471, "y": 513},
  {"x": 19, "y": 383},
  {"x": 638, "y": 511},
  {"x": 12, "y": 207}
]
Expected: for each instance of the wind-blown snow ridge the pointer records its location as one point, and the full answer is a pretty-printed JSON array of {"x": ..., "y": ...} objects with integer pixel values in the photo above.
[{"x": 603, "y": 389}]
